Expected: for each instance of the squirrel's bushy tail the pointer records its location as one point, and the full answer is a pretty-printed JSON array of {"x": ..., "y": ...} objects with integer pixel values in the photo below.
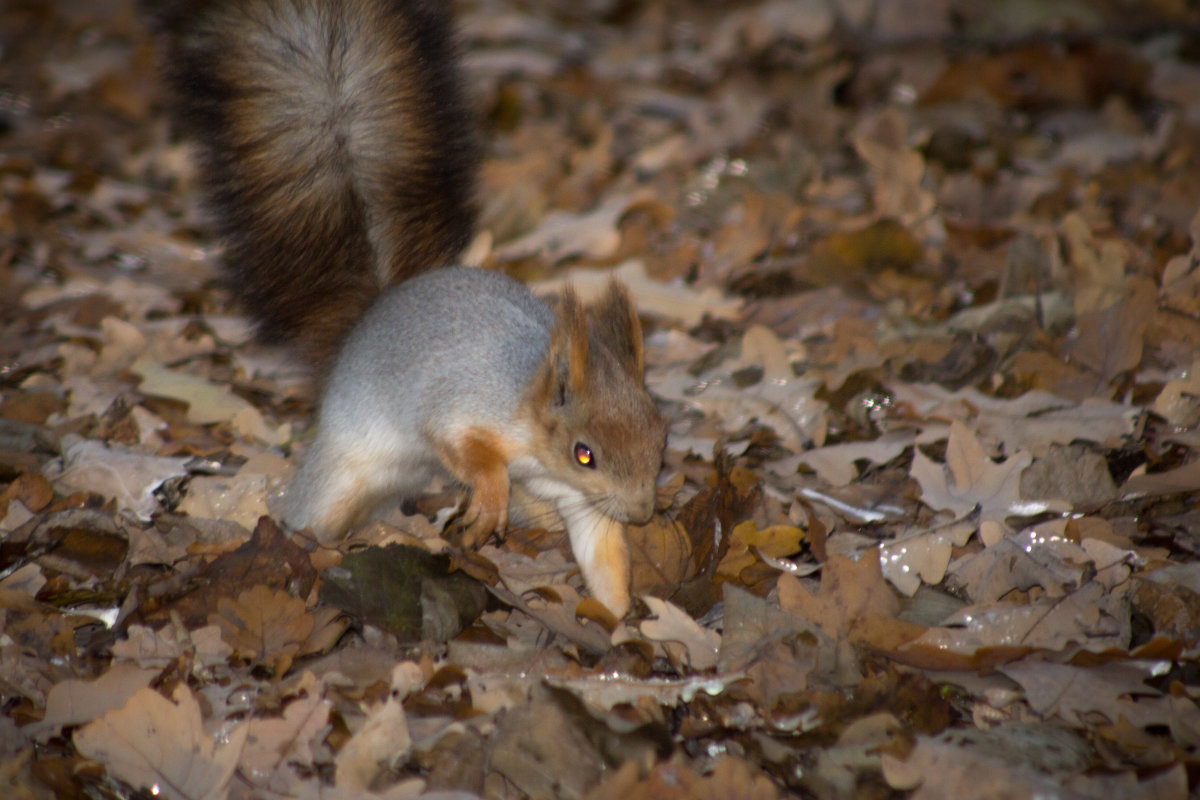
[{"x": 337, "y": 150}]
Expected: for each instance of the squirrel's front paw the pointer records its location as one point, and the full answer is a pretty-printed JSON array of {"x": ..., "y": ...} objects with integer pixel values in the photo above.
[{"x": 479, "y": 520}]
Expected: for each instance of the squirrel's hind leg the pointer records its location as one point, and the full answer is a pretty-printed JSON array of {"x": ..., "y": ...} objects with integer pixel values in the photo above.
[
  {"x": 477, "y": 458},
  {"x": 329, "y": 495}
]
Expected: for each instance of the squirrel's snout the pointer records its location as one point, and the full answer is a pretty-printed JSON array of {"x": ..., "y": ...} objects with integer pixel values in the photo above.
[{"x": 639, "y": 508}]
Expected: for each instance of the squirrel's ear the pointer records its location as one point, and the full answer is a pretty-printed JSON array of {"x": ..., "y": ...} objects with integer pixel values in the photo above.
[
  {"x": 567, "y": 353},
  {"x": 614, "y": 321}
]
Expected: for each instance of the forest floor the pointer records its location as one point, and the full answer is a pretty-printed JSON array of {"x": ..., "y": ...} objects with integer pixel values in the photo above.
[{"x": 920, "y": 283}]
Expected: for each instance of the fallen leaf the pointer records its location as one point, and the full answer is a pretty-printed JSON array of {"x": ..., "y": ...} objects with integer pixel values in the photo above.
[
  {"x": 835, "y": 463},
  {"x": 237, "y": 499},
  {"x": 731, "y": 779},
  {"x": 668, "y": 301},
  {"x": 660, "y": 556},
  {"x": 127, "y": 477},
  {"x": 1109, "y": 340},
  {"x": 1039, "y": 556},
  {"x": 747, "y": 542},
  {"x": 405, "y": 590},
  {"x": 264, "y": 626},
  {"x": 562, "y": 235},
  {"x": 780, "y": 653},
  {"x": 671, "y": 624},
  {"x": 970, "y": 479},
  {"x": 207, "y": 402},
  {"x": 922, "y": 557},
  {"x": 978, "y": 768},
  {"x": 276, "y": 746},
  {"x": 383, "y": 739},
  {"x": 148, "y": 647},
  {"x": 854, "y": 601},
  {"x": 776, "y": 398},
  {"x": 1115, "y": 690},
  {"x": 161, "y": 746},
  {"x": 1087, "y": 618},
  {"x": 898, "y": 169},
  {"x": 73, "y": 702}
]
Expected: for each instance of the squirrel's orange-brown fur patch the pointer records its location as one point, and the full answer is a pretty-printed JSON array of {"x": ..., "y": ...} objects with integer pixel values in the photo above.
[{"x": 479, "y": 459}]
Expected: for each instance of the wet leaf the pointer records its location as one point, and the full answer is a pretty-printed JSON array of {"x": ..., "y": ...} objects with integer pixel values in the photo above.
[{"x": 407, "y": 591}]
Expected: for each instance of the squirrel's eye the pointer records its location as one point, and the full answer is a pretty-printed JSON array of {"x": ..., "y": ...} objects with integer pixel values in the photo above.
[{"x": 583, "y": 456}]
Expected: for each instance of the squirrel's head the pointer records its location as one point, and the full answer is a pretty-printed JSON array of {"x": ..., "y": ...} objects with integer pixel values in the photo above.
[{"x": 603, "y": 434}]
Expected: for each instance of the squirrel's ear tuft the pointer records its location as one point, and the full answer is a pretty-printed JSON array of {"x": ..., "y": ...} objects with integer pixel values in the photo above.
[
  {"x": 614, "y": 322},
  {"x": 567, "y": 353}
]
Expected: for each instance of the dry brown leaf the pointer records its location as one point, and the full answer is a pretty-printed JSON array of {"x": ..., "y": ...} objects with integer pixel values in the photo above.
[
  {"x": 781, "y": 653},
  {"x": 207, "y": 402},
  {"x": 1109, "y": 340},
  {"x": 1072, "y": 693},
  {"x": 73, "y": 702},
  {"x": 1040, "y": 556},
  {"x": 668, "y": 301},
  {"x": 1170, "y": 603},
  {"x": 1099, "y": 266},
  {"x": 1032, "y": 422},
  {"x": 1040, "y": 370},
  {"x": 897, "y": 168},
  {"x": 269, "y": 558},
  {"x": 660, "y": 555},
  {"x": 148, "y": 647},
  {"x": 860, "y": 254},
  {"x": 602, "y": 693},
  {"x": 731, "y": 779},
  {"x": 125, "y": 476},
  {"x": 854, "y": 601},
  {"x": 973, "y": 479},
  {"x": 672, "y": 624},
  {"x": 383, "y": 738},
  {"x": 264, "y": 626},
  {"x": 941, "y": 767},
  {"x": 1174, "y": 481},
  {"x": 274, "y": 745},
  {"x": 161, "y": 746},
  {"x": 1088, "y": 618},
  {"x": 544, "y": 751},
  {"x": 1177, "y": 401},
  {"x": 835, "y": 463},
  {"x": 778, "y": 398},
  {"x": 561, "y": 234},
  {"x": 30, "y": 489},
  {"x": 240, "y": 499},
  {"x": 912, "y": 559}
]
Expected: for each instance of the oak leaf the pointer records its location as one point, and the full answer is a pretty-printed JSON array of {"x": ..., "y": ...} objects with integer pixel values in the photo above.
[
  {"x": 264, "y": 626},
  {"x": 160, "y": 745},
  {"x": 970, "y": 478}
]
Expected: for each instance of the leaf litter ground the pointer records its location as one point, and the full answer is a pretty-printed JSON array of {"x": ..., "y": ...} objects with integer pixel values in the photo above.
[{"x": 922, "y": 291}]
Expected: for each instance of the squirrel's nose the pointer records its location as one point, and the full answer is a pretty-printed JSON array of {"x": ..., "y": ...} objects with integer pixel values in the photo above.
[{"x": 640, "y": 508}]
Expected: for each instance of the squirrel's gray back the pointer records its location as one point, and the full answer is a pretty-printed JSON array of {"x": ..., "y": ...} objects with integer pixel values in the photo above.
[{"x": 458, "y": 341}]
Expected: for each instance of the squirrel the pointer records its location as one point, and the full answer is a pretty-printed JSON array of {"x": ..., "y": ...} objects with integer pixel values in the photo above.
[{"x": 338, "y": 158}]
